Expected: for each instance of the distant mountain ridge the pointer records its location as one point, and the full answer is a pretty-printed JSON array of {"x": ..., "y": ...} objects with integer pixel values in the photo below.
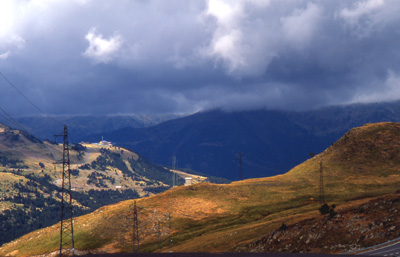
[
  {"x": 271, "y": 142},
  {"x": 79, "y": 126}
]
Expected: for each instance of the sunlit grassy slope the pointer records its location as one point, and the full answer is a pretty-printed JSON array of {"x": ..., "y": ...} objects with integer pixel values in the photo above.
[
  {"x": 30, "y": 180},
  {"x": 22, "y": 154},
  {"x": 365, "y": 162}
]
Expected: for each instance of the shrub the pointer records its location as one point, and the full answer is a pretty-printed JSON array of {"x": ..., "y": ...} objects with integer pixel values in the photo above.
[
  {"x": 325, "y": 209},
  {"x": 283, "y": 227}
]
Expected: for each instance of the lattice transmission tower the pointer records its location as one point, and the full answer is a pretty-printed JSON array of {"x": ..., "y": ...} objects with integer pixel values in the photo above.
[
  {"x": 67, "y": 228},
  {"x": 135, "y": 230}
]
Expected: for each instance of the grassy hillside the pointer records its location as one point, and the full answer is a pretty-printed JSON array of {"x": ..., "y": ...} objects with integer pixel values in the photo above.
[
  {"x": 364, "y": 163},
  {"x": 30, "y": 180}
]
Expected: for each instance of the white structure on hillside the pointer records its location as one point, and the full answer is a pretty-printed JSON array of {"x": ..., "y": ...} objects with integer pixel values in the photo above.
[
  {"x": 188, "y": 181},
  {"x": 104, "y": 142}
]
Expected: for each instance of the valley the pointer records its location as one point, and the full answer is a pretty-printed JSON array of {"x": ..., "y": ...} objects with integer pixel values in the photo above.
[{"x": 361, "y": 180}]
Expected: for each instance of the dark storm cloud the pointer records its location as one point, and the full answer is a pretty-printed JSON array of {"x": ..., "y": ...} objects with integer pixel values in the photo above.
[{"x": 183, "y": 56}]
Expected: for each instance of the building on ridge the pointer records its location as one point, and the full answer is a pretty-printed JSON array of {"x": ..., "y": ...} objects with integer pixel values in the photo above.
[{"x": 104, "y": 142}]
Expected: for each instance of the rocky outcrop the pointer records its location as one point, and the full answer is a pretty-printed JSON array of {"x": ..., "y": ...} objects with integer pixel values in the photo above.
[{"x": 356, "y": 227}]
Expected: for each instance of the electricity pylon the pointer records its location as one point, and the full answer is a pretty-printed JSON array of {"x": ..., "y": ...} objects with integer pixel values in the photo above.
[
  {"x": 135, "y": 230},
  {"x": 66, "y": 229}
]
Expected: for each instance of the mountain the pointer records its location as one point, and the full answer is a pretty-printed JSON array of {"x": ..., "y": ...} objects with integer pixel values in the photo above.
[
  {"x": 30, "y": 180},
  {"x": 208, "y": 142},
  {"x": 44, "y": 127},
  {"x": 271, "y": 142},
  {"x": 361, "y": 178}
]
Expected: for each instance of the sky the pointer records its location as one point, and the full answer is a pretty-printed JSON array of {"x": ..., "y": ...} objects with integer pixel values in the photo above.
[{"x": 182, "y": 56}]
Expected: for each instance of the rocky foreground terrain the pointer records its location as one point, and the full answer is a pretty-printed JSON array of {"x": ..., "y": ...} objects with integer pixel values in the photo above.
[{"x": 349, "y": 228}]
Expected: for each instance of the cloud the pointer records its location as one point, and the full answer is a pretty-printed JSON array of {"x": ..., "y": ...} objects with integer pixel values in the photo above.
[
  {"x": 184, "y": 56},
  {"x": 7, "y": 17},
  {"x": 9, "y": 39},
  {"x": 360, "y": 9},
  {"x": 364, "y": 18},
  {"x": 389, "y": 90},
  {"x": 100, "y": 49},
  {"x": 236, "y": 39},
  {"x": 5, "y": 55},
  {"x": 309, "y": 18}
]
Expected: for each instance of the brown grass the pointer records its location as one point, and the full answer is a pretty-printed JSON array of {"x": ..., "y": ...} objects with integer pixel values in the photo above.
[{"x": 208, "y": 217}]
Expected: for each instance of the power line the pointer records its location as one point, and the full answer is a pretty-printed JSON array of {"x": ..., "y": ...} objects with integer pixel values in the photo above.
[
  {"x": 13, "y": 121},
  {"x": 5, "y": 118},
  {"x": 66, "y": 228},
  {"x": 16, "y": 89},
  {"x": 27, "y": 99}
]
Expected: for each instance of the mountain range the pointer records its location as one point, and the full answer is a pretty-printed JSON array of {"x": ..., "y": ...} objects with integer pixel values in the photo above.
[
  {"x": 45, "y": 127},
  {"x": 270, "y": 142}
]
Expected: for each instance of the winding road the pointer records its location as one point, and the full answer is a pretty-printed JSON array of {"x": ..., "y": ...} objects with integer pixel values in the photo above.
[{"x": 389, "y": 250}]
